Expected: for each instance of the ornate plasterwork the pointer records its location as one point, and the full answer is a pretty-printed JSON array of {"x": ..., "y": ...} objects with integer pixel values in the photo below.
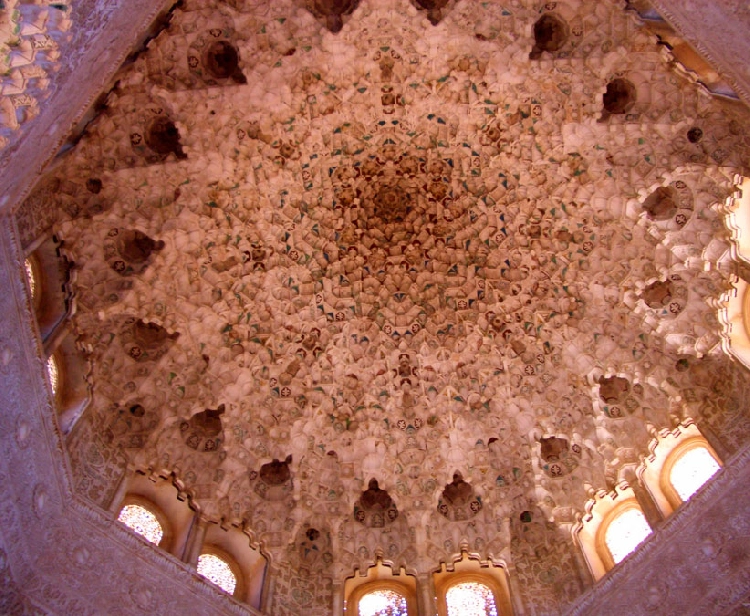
[
  {"x": 394, "y": 254},
  {"x": 30, "y": 40},
  {"x": 85, "y": 58},
  {"x": 716, "y": 29},
  {"x": 702, "y": 555},
  {"x": 52, "y": 545}
]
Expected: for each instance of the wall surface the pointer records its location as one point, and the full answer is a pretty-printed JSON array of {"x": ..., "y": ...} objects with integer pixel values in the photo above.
[
  {"x": 58, "y": 555},
  {"x": 718, "y": 30},
  {"x": 697, "y": 563},
  {"x": 104, "y": 32}
]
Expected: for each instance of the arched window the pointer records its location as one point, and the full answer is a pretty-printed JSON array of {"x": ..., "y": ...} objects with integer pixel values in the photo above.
[
  {"x": 691, "y": 470},
  {"x": 381, "y": 591},
  {"x": 67, "y": 372},
  {"x": 736, "y": 317},
  {"x": 625, "y": 531},
  {"x": 218, "y": 570},
  {"x": 31, "y": 277},
  {"x": 53, "y": 373},
  {"x": 470, "y": 599},
  {"x": 161, "y": 498},
  {"x": 681, "y": 461},
  {"x": 232, "y": 550},
  {"x": 470, "y": 587},
  {"x": 142, "y": 521},
  {"x": 687, "y": 467},
  {"x": 613, "y": 526},
  {"x": 382, "y": 603},
  {"x": 48, "y": 274}
]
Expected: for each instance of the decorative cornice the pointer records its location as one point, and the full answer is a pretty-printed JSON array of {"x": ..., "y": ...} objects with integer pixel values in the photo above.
[
  {"x": 105, "y": 33},
  {"x": 701, "y": 554},
  {"x": 718, "y": 30},
  {"x": 56, "y": 551}
]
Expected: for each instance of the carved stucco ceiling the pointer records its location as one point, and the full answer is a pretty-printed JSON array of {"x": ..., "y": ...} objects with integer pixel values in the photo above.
[{"x": 397, "y": 252}]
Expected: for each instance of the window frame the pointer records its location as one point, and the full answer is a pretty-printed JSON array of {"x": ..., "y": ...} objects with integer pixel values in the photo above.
[
  {"x": 53, "y": 302},
  {"x": 665, "y": 481},
  {"x": 166, "y": 527},
  {"x": 601, "y": 533},
  {"x": 234, "y": 566},
  {"x": 35, "y": 284},
  {"x": 393, "y": 585},
  {"x": 443, "y": 586},
  {"x": 469, "y": 568}
]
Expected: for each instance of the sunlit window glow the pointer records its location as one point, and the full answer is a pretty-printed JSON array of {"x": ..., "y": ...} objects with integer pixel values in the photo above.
[
  {"x": 470, "y": 599},
  {"x": 382, "y": 603},
  {"x": 53, "y": 372},
  {"x": 142, "y": 521},
  {"x": 217, "y": 571},
  {"x": 31, "y": 278},
  {"x": 692, "y": 470},
  {"x": 625, "y": 532}
]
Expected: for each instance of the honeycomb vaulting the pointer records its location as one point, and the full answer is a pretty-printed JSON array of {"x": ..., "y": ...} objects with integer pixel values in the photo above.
[{"x": 403, "y": 283}]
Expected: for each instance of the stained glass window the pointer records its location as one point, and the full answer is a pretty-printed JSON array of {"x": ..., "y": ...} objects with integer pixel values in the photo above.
[
  {"x": 30, "y": 275},
  {"x": 692, "y": 470},
  {"x": 382, "y": 603},
  {"x": 53, "y": 372},
  {"x": 625, "y": 532},
  {"x": 470, "y": 599},
  {"x": 142, "y": 521},
  {"x": 217, "y": 571}
]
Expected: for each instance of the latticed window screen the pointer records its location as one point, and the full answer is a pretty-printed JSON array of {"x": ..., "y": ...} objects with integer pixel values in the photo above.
[
  {"x": 470, "y": 599},
  {"x": 31, "y": 277},
  {"x": 218, "y": 571},
  {"x": 53, "y": 372},
  {"x": 142, "y": 521},
  {"x": 382, "y": 603}
]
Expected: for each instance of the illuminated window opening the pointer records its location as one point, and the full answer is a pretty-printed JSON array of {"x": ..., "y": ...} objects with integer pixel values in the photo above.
[
  {"x": 142, "y": 521},
  {"x": 470, "y": 599},
  {"x": 612, "y": 526},
  {"x": 53, "y": 373},
  {"x": 31, "y": 277},
  {"x": 625, "y": 532},
  {"x": 692, "y": 469},
  {"x": 383, "y": 603},
  {"x": 472, "y": 587},
  {"x": 380, "y": 591},
  {"x": 217, "y": 571},
  {"x": 681, "y": 461}
]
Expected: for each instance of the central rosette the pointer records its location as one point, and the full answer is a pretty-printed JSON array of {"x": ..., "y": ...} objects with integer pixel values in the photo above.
[
  {"x": 398, "y": 217},
  {"x": 392, "y": 211},
  {"x": 392, "y": 204}
]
